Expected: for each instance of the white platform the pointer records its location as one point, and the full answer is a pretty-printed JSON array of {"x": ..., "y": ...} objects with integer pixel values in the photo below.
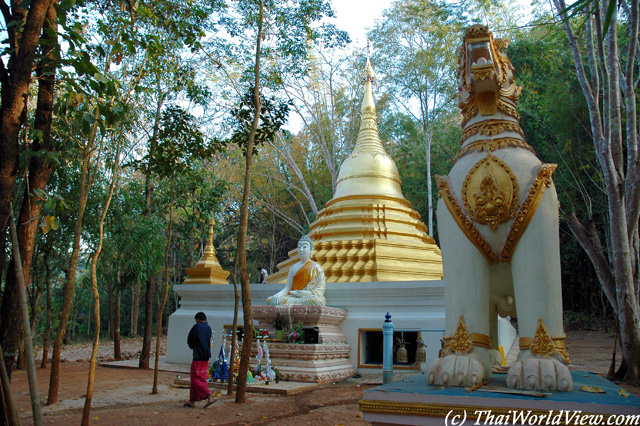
[{"x": 412, "y": 305}]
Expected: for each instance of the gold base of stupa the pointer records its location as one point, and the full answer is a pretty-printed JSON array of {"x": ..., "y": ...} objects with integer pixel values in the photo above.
[
  {"x": 370, "y": 260},
  {"x": 206, "y": 276}
]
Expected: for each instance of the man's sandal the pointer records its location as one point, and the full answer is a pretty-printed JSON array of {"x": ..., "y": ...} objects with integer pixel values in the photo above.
[{"x": 210, "y": 400}]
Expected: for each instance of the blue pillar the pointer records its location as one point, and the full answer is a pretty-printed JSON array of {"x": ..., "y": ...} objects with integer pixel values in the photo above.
[{"x": 387, "y": 350}]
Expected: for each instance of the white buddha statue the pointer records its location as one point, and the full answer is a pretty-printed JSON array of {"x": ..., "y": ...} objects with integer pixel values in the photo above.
[{"x": 305, "y": 282}]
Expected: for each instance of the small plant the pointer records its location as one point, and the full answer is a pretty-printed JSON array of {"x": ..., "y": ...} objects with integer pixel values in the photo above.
[
  {"x": 297, "y": 332},
  {"x": 298, "y": 326},
  {"x": 280, "y": 322}
]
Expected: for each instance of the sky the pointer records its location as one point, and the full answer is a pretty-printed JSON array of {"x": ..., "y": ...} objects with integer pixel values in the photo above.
[
  {"x": 358, "y": 16},
  {"x": 355, "y": 16}
]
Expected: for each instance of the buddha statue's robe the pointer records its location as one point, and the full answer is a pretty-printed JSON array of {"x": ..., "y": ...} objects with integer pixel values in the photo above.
[{"x": 305, "y": 286}]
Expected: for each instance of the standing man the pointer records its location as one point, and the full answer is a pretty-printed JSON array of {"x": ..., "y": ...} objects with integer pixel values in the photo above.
[
  {"x": 200, "y": 341},
  {"x": 263, "y": 275}
]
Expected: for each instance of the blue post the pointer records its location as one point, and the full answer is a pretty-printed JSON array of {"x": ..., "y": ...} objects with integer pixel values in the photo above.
[{"x": 387, "y": 350}]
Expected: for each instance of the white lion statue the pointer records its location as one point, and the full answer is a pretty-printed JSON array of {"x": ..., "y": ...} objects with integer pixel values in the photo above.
[{"x": 498, "y": 225}]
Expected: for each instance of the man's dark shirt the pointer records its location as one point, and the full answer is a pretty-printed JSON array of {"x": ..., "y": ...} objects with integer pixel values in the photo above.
[{"x": 199, "y": 340}]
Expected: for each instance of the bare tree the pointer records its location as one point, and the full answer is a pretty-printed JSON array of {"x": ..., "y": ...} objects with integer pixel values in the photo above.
[
  {"x": 327, "y": 101},
  {"x": 609, "y": 85}
]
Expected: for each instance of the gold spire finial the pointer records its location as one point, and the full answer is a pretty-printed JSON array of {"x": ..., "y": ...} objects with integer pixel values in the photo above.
[
  {"x": 208, "y": 269},
  {"x": 212, "y": 223},
  {"x": 369, "y": 75},
  {"x": 209, "y": 248},
  {"x": 368, "y": 138}
]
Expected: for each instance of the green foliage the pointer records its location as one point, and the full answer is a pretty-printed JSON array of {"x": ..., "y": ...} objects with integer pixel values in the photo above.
[
  {"x": 273, "y": 115},
  {"x": 179, "y": 143},
  {"x": 290, "y": 28}
]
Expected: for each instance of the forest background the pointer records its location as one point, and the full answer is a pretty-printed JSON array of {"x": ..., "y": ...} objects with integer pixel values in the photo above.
[{"x": 128, "y": 140}]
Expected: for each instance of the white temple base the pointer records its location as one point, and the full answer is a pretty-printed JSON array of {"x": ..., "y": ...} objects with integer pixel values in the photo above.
[{"x": 414, "y": 305}]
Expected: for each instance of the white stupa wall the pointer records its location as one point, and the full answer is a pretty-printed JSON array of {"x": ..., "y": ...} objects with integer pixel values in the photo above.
[{"x": 412, "y": 305}]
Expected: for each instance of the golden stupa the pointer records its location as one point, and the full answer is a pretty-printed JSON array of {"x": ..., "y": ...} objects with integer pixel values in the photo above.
[
  {"x": 368, "y": 230},
  {"x": 208, "y": 269}
]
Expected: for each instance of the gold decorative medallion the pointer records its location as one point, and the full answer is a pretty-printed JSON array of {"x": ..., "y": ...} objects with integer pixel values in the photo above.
[
  {"x": 518, "y": 226},
  {"x": 542, "y": 344},
  {"x": 461, "y": 342},
  {"x": 464, "y": 223},
  {"x": 490, "y": 192}
]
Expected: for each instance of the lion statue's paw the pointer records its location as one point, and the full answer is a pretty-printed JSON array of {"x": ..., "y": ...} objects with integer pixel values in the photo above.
[
  {"x": 538, "y": 373},
  {"x": 455, "y": 370}
]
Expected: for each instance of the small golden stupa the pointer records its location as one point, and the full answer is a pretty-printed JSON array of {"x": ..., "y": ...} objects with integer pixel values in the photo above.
[
  {"x": 208, "y": 269},
  {"x": 368, "y": 230}
]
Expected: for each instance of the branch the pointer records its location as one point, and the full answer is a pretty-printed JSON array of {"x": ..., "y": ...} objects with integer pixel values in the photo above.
[
  {"x": 278, "y": 212},
  {"x": 632, "y": 184},
  {"x": 283, "y": 181},
  {"x": 6, "y": 12},
  {"x": 590, "y": 93},
  {"x": 319, "y": 134},
  {"x": 290, "y": 160}
]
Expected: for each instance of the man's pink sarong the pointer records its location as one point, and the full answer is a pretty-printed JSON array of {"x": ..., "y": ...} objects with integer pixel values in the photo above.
[{"x": 199, "y": 389}]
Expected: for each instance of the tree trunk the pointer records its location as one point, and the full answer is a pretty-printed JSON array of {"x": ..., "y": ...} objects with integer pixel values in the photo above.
[
  {"x": 148, "y": 304},
  {"x": 242, "y": 232},
  {"x": 47, "y": 331},
  {"x": 110, "y": 306},
  {"x": 15, "y": 79},
  {"x": 148, "y": 317},
  {"x": 428, "y": 131},
  {"x": 605, "y": 68},
  {"x": 70, "y": 281},
  {"x": 234, "y": 328},
  {"x": 8, "y": 402},
  {"x": 117, "y": 354},
  {"x": 24, "y": 313},
  {"x": 39, "y": 171},
  {"x": 154, "y": 390},
  {"x": 86, "y": 412},
  {"x": 590, "y": 242}
]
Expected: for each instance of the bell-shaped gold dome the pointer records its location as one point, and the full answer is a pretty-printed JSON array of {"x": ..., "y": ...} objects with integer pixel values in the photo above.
[
  {"x": 369, "y": 169},
  {"x": 368, "y": 230}
]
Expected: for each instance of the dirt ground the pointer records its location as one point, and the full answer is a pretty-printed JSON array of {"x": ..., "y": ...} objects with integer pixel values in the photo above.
[{"x": 123, "y": 396}]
